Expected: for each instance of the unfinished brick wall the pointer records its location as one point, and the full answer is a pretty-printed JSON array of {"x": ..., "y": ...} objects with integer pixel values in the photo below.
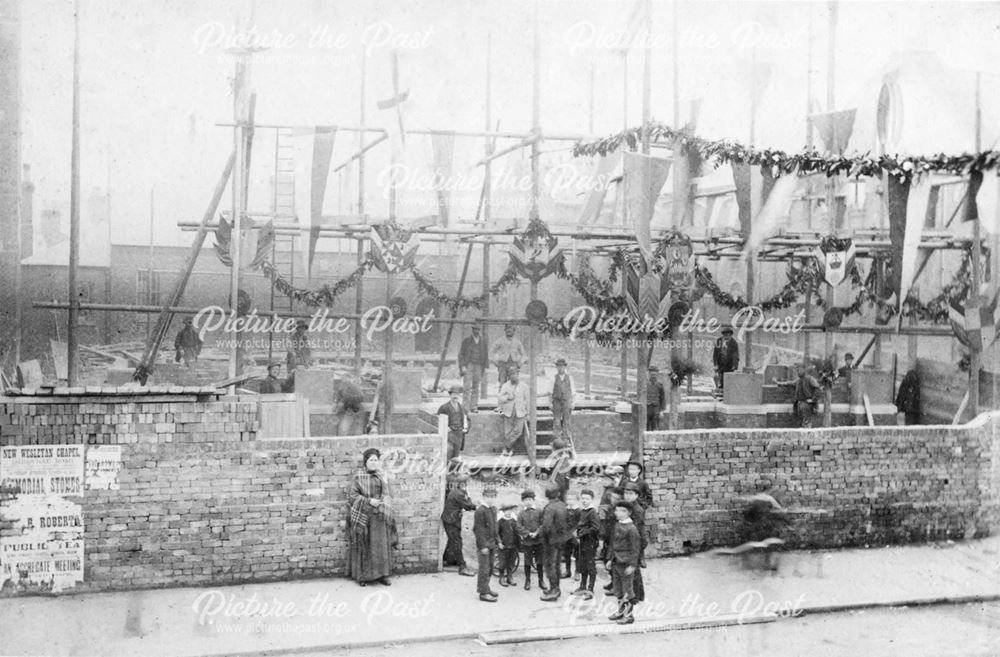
[
  {"x": 845, "y": 487},
  {"x": 202, "y": 500}
]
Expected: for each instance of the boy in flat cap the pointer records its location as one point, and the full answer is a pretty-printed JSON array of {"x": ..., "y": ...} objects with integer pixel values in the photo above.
[
  {"x": 623, "y": 562},
  {"x": 630, "y": 494},
  {"x": 458, "y": 421},
  {"x": 555, "y": 532},
  {"x": 588, "y": 531},
  {"x": 725, "y": 356},
  {"x": 633, "y": 474},
  {"x": 484, "y": 527},
  {"x": 509, "y": 543},
  {"x": 562, "y": 403},
  {"x": 529, "y": 526}
]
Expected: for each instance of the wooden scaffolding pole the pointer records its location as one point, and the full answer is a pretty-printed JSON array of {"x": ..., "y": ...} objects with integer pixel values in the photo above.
[
  {"x": 74, "y": 211},
  {"x": 975, "y": 355},
  {"x": 359, "y": 289},
  {"x": 536, "y": 100},
  {"x": 487, "y": 205},
  {"x": 642, "y": 355}
]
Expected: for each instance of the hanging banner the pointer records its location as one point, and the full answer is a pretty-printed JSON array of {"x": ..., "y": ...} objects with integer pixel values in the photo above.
[
  {"x": 647, "y": 292},
  {"x": 835, "y": 129},
  {"x": 835, "y": 258},
  {"x": 645, "y": 177},
  {"x": 393, "y": 248},
  {"x": 917, "y": 202},
  {"x": 675, "y": 258},
  {"x": 591, "y": 211},
  {"x": 898, "y": 191}
]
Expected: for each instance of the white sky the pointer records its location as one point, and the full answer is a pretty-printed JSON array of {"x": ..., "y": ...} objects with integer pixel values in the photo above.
[{"x": 155, "y": 81}]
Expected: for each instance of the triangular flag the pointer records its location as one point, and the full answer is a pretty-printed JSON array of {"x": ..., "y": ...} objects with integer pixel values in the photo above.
[
  {"x": 898, "y": 191},
  {"x": 916, "y": 214},
  {"x": 645, "y": 176},
  {"x": 322, "y": 152},
  {"x": 835, "y": 129},
  {"x": 443, "y": 147},
  {"x": 265, "y": 240},
  {"x": 396, "y": 130},
  {"x": 591, "y": 211},
  {"x": 775, "y": 198}
]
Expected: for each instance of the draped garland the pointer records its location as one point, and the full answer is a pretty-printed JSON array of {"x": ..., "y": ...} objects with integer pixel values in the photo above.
[
  {"x": 322, "y": 296},
  {"x": 722, "y": 151}
]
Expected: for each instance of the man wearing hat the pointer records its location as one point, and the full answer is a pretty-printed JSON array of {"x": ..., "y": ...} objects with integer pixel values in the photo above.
[
  {"x": 455, "y": 503},
  {"x": 473, "y": 358},
  {"x": 513, "y": 401},
  {"x": 562, "y": 402},
  {"x": 656, "y": 399},
  {"x": 273, "y": 384},
  {"x": 507, "y": 352},
  {"x": 725, "y": 356},
  {"x": 187, "y": 344},
  {"x": 484, "y": 527},
  {"x": 299, "y": 353},
  {"x": 458, "y": 421}
]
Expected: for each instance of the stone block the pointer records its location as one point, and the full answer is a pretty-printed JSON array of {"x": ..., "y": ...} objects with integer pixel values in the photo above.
[{"x": 743, "y": 388}]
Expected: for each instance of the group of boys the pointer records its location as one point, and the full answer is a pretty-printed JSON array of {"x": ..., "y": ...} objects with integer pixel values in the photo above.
[{"x": 570, "y": 526}]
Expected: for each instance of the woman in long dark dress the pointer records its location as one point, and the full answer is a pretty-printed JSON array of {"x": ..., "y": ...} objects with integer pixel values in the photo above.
[{"x": 371, "y": 524}]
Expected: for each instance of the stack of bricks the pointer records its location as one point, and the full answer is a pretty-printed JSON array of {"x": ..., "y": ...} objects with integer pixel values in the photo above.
[
  {"x": 203, "y": 500},
  {"x": 843, "y": 487}
]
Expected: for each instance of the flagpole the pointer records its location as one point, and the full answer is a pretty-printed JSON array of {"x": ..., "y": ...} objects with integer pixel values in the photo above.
[
  {"x": 975, "y": 356},
  {"x": 487, "y": 202},
  {"x": 806, "y": 346},
  {"x": 536, "y": 97},
  {"x": 831, "y": 183},
  {"x": 751, "y": 254},
  {"x": 239, "y": 91},
  {"x": 624, "y": 219}
]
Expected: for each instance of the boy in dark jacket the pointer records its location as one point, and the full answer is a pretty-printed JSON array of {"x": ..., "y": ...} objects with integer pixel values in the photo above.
[
  {"x": 624, "y": 562},
  {"x": 554, "y": 533},
  {"x": 633, "y": 474},
  {"x": 455, "y": 503},
  {"x": 509, "y": 543},
  {"x": 631, "y": 496},
  {"x": 484, "y": 526},
  {"x": 570, "y": 548},
  {"x": 529, "y": 527},
  {"x": 588, "y": 531}
]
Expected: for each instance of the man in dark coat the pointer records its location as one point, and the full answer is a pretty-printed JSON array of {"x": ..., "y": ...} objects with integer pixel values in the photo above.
[
  {"x": 458, "y": 422},
  {"x": 455, "y": 503},
  {"x": 656, "y": 399},
  {"x": 473, "y": 359},
  {"x": 908, "y": 397},
  {"x": 273, "y": 384},
  {"x": 485, "y": 528},
  {"x": 725, "y": 356},
  {"x": 555, "y": 532},
  {"x": 188, "y": 344}
]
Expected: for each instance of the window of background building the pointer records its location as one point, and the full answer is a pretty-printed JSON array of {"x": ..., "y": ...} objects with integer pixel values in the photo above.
[{"x": 148, "y": 287}]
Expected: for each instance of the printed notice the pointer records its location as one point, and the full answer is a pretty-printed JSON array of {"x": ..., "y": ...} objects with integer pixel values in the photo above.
[
  {"x": 103, "y": 464},
  {"x": 42, "y": 546}
]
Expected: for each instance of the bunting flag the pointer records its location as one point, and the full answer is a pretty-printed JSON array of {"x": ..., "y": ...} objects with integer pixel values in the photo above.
[
  {"x": 917, "y": 204},
  {"x": 644, "y": 176},
  {"x": 762, "y": 200},
  {"x": 975, "y": 324},
  {"x": 323, "y": 139},
  {"x": 255, "y": 247},
  {"x": 898, "y": 191},
  {"x": 971, "y": 205},
  {"x": 835, "y": 129},
  {"x": 591, "y": 211},
  {"x": 443, "y": 147},
  {"x": 393, "y": 249}
]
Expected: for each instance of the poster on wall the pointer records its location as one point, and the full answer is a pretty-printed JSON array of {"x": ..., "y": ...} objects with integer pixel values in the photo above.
[
  {"x": 42, "y": 545},
  {"x": 101, "y": 469}
]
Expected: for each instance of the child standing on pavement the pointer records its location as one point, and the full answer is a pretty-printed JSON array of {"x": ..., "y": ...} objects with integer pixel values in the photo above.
[
  {"x": 623, "y": 563},
  {"x": 571, "y": 547},
  {"x": 529, "y": 524},
  {"x": 631, "y": 495},
  {"x": 484, "y": 526},
  {"x": 588, "y": 531},
  {"x": 509, "y": 542}
]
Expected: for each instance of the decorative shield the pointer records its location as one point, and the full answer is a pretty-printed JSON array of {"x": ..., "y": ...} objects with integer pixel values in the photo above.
[
  {"x": 536, "y": 311},
  {"x": 677, "y": 312},
  {"x": 397, "y": 305},
  {"x": 835, "y": 258},
  {"x": 675, "y": 258},
  {"x": 393, "y": 248},
  {"x": 535, "y": 254},
  {"x": 647, "y": 292},
  {"x": 975, "y": 323},
  {"x": 833, "y": 318}
]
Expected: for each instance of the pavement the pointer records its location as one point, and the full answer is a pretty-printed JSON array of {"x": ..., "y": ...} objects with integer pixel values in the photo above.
[{"x": 336, "y": 614}]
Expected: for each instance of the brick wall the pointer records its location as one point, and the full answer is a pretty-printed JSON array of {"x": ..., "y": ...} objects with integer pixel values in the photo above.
[
  {"x": 845, "y": 487},
  {"x": 203, "y": 500}
]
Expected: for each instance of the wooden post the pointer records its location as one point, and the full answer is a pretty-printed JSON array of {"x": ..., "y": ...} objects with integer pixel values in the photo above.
[
  {"x": 809, "y": 201},
  {"x": 642, "y": 363},
  {"x": 487, "y": 209},
  {"x": 74, "y": 210},
  {"x": 975, "y": 355},
  {"x": 831, "y": 182},
  {"x": 239, "y": 89},
  {"x": 149, "y": 281},
  {"x": 359, "y": 289},
  {"x": 751, "y": 254},
  {"x": 484, "y": 385},
  {"x": 387, "y": 367},
  {"x": 536, "y": 98}
]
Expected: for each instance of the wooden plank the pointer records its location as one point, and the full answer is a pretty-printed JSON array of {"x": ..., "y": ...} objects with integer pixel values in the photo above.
[
  {"x": 868, "y": 411},
  {"x": 961, "y": 408}
]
